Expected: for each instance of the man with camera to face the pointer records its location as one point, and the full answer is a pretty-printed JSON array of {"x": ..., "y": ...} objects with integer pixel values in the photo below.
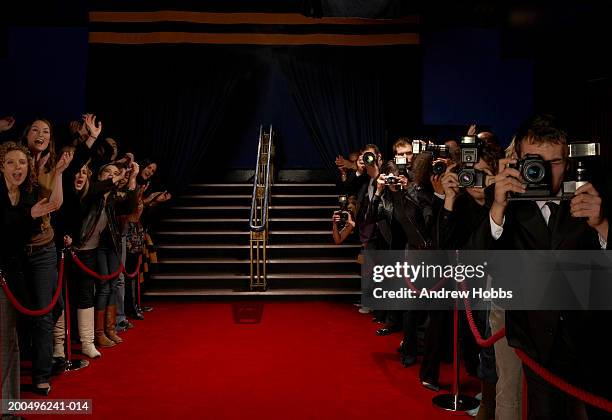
[
  {"x": 466, "y": 206},
  {"x": 523, "y": 218},
  {"x": 399, "y": 225}
]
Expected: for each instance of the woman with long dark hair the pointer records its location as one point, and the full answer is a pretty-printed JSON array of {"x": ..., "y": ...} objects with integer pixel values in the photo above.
[{"x": 42, "y": 255}]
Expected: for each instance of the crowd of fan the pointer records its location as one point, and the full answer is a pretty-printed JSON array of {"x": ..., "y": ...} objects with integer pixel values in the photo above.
[
  {"x": 424, "y": 208},
  {"x": 80, "y": 195}
]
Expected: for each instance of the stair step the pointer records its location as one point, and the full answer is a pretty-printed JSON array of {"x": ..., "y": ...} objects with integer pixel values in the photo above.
[
  {"x": 246, "y": 261},
  {"x": 235, "y": 246},
  {"x": 270, "y": 292},
  {"x": 203, "y": 241},
  {"x": 306, "y": 184},
  {"x": 216, "y": 276},
  {"x": 272, "y": 219},
  {"x": 245, "y": 200},
  {"x": 241, "y": 251}
]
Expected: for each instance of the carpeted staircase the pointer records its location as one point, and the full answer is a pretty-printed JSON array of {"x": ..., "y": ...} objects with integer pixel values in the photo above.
[{"x": 203, "y": 243}]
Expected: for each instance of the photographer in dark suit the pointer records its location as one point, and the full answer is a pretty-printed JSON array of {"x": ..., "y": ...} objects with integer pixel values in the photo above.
[
  {"x": 399, "y": 225},
  {"x": 464, "y": 210},
  {"x": 565, "y": 342}
]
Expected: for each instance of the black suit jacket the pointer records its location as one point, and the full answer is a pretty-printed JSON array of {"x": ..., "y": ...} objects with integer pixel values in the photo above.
[{"x": 539, "y": 333}]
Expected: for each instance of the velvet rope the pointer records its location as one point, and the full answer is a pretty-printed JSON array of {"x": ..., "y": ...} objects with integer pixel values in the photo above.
[
  {"x": 90, "y": 272},
  {"x": 38, "y": 312},
  {"x": 135, "y": 273},
  {"x": 470, "y": 317},
  {"x": 560, "y": 383}
]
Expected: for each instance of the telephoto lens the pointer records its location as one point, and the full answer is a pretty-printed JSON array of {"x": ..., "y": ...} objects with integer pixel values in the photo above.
[{"x": 369, "y": 158}]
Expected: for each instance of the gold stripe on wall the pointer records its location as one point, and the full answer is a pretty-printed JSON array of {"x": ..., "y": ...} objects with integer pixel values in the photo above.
[
  {"x": 240, "y": 18},
  {"x": 125, "y": 38}
]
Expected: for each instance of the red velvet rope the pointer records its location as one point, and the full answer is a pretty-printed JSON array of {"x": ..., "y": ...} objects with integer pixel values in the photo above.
[
  {"x": 564, "y": 386},
  {"x": 545, "y": 374},
  {"x": 90, "y": 272},
  {"x": 37, "y": 312},
  {"x": 470, "y": 317},
  {"x": 135, "y": 273}
]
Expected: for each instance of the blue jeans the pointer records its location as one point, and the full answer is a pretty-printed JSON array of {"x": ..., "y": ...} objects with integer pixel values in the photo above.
[
  {"x": 121, "y": 286},
  {"x": 83, "y": 284},
  {"x": 106, "y": 291},
  {"x": 41, "y": 278},
  {"x": 9, "y": 352}
]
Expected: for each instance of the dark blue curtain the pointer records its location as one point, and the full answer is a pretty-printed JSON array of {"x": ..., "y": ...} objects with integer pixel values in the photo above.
[
  {"x": 339, "y": 94},
  {"x": 163, "y": 102}
]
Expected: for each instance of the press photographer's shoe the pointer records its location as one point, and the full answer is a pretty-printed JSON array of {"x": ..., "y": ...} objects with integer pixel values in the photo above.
[
  {"x": 44, "y": 391},
  {"x": 408, "y": 361},
  {"x": 59, "y": 365},
  {"x": 431, "y": 386}
]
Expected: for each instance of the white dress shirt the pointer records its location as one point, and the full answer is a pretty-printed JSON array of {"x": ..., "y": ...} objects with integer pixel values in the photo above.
[{"x": 497, "y": 230}]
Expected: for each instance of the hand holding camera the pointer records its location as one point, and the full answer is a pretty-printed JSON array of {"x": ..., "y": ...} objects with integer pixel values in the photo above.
[
  {"x": 381, "y": 183},
  {"x": 506, "y": 181},
  {"x": 450, "y": 186},
  {"x": 343, "y": 219},
  {"x": 587, "y": 203}
]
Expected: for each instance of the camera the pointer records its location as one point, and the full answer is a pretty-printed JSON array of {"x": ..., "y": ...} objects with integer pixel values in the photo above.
[
  {"x": 536, "y": 172},
  {"x": 470, "y": 177},
  {"x": 439, "y": 153},
  {"x": 470, "y": 147},
  {"x": 369, "y": 159},
  {"x": 402, "y": 164},
  {"x": 438, "y": 167},
  {"x": 392, "y": 180},
  {"x": 580, "y": 155},
  {"x": 342, "y": 211}
]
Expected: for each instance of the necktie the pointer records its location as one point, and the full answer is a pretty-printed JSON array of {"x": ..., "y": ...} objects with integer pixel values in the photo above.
[{"x": 554, "y": 210}]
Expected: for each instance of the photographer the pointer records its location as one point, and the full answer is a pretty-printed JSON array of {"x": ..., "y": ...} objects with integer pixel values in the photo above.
[
  {"x": 565, "y": 342},
  {"x": 463, "y": 211},
  {"x": 399, "y": 225},
  {"x": 347, "y": 169},
  {"x": 402, "y": 149},
  {"x": 342, "y": 229}
]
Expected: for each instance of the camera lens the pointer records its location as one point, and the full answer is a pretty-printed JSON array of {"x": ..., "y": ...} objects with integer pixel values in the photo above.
[
  {"x": 439, "y": 168},
  {"x": 466, "y": 178},
  {"x": 369, "y": 158},
  {"x": 533, "y": 172}
]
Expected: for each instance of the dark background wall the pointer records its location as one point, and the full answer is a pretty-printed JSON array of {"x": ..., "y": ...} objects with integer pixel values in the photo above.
[
  {"x": 43, "y": 73},
  {"x": 467, "y": 78},
  {"x": 489, "y": 74}
]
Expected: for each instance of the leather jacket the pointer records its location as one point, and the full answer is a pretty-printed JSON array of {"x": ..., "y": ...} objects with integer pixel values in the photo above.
[
  {"x": 381, "y": 210},
  {"x": 93, "y": 206}
]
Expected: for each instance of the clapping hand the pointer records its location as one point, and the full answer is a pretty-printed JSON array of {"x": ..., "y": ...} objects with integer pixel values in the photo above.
[
  {"x": 6, "y": 123},
  {"x": 94, "y": 128},
  {"x": 42, "y": 208},
  {"x": 63, "y": 162}
]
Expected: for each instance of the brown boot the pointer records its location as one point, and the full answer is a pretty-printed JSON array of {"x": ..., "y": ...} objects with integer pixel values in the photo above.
[
  {"x": 487, "y": 403},
  {"x": 111, "y": 324},
  {"x": 101, "y": 339}
]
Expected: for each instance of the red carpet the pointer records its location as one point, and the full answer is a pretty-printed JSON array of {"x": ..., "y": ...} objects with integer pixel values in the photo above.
[{"x": 304, "y": 360}]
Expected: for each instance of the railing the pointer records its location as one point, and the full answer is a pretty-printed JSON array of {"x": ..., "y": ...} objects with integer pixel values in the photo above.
[{"x": 258, "y": 220}]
